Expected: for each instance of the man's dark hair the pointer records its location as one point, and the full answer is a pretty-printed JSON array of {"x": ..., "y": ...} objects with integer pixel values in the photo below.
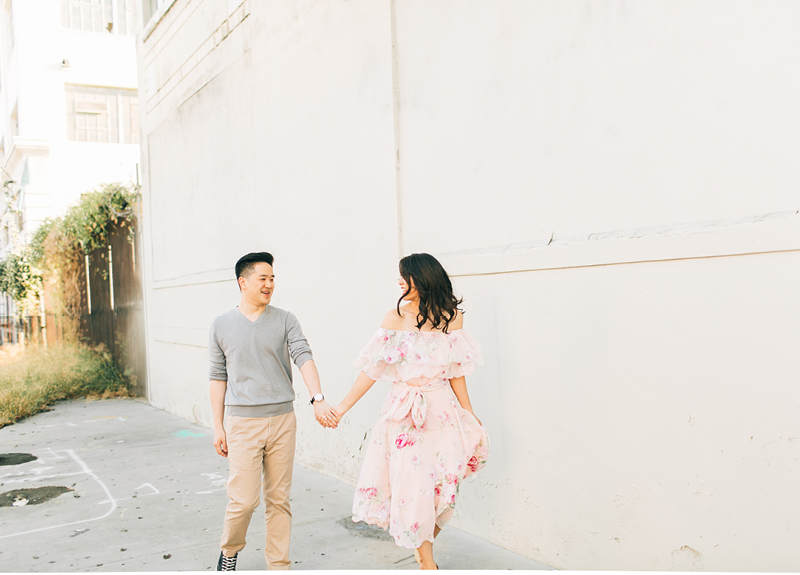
[{"x": 245, "y": 265}]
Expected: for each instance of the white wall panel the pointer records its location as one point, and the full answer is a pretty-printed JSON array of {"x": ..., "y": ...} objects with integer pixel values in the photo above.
[{"x": 612, "y": 184}]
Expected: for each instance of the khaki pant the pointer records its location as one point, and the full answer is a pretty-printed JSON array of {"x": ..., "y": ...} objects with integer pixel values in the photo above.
[{"x": 260, "y": 446}]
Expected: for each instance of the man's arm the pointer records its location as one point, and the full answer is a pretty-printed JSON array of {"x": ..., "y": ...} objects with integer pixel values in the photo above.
[
  {"x": 218, "y": 375},
  {"x": 324, "y": 413},
  {"x": 217, "y": 392},
  {"x": 301, "y": 355}
]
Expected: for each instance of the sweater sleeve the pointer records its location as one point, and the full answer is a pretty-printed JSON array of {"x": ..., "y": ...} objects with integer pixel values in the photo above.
[
  {"x": 298, "y": 345},
  {"x": 217, "y": 367}
]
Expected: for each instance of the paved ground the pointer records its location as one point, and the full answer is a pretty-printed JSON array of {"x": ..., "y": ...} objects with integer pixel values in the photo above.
[{"x": 147, "y": 493}]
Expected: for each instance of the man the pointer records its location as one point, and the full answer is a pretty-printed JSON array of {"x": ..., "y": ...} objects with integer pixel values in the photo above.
[{"x": 250, "y": 349}]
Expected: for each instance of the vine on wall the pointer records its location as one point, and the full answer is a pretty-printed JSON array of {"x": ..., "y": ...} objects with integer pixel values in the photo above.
[
  {"x": 55, "y": 254},
  {"x": 22, "y": 281}
]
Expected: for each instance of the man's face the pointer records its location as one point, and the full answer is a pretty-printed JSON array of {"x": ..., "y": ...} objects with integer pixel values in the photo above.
[{"x": 259, "y": 285}]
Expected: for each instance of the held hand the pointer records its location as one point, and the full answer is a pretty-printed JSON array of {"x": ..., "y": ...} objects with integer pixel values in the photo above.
[
  {"x": 339, "y": 411},
  {"x": 325, "y": 414},
  {"x": 221, "y": 442}
]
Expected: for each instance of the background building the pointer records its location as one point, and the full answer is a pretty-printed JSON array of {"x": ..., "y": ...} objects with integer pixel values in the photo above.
[
  {"x": 614, "y": 187},
  {"x": 69, "y": 117}
]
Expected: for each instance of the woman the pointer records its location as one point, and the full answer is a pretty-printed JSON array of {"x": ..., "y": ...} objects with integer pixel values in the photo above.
[{"x": 427, "y": 439}]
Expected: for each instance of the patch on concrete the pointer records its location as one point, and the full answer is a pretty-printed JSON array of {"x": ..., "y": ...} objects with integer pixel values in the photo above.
[
  {"x": 16, "y": 458},
  {"x": 361, "y": 529},
  {"x": 687, "y": 559},
  {"x": 33, "y": 496}
]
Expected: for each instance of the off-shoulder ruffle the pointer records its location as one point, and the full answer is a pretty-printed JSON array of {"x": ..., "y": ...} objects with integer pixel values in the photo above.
[{"x": 396, "y": 355}]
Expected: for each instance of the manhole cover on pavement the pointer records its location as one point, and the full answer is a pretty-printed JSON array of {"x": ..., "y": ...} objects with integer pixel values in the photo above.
[
  {"x": 33, "y": 496},
  {"x": 361, "y": 529},
  {"x": 15, "y": 458}
]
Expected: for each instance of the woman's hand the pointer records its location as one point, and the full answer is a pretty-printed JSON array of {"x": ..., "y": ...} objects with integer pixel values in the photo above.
[
  {"x": 339, "y": 411},
  {"x": 325, "y": 414}
]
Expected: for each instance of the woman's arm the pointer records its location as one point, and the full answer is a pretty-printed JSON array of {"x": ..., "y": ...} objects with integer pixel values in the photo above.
[
  {"x": 459, "y": 385},
  {"x": 360, "y": 387},
  {"x": 363, "y": 382}
]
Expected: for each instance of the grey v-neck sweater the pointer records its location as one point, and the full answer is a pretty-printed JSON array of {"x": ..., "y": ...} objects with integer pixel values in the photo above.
[{"x": 254, "y": 358}]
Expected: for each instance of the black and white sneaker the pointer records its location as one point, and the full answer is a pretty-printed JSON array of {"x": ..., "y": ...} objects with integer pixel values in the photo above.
[{"x": 226, "y": 563}]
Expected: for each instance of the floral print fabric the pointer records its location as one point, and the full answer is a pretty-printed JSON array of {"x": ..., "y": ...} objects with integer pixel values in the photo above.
[{"x": 424, "y": 443}]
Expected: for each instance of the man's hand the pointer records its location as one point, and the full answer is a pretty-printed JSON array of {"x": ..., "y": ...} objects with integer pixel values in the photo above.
[
  {"x": 221, "y": 442},
  {"x": 325, "y": 414}
]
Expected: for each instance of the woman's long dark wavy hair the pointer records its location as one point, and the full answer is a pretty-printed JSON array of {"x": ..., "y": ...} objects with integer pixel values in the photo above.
[{"x": 437, "y": 303}]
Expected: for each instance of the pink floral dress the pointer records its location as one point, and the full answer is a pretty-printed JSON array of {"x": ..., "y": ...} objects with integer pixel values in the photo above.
[{"x": 424, "y": 443}]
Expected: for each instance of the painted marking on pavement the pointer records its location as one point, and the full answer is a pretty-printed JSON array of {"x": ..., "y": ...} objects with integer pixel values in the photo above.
[
  {"x": 136, "y": 491},
  {"x": 150, "y": 485},
  {"x": 216, "y": 479},
  {"x": 47, "y": 454},
  {"x": 91, "y": 474},
  {"x": 35, "y": 471},
  {"x": 38, "y": 477},
  {"x": 187, "y": 433}
]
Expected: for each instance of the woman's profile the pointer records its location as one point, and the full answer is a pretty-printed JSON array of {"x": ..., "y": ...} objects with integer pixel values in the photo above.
[{"x": 427, "y": 439}]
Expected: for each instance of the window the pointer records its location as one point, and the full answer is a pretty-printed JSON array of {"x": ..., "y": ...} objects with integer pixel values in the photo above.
[
  {"x": 125, "y": 18},
  {"x": 149, "y": 7},
  {"x": 102, "y": 115},
  {"x": 115, "y": 16}
]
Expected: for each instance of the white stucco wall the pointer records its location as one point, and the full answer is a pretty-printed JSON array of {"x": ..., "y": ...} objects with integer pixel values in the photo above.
[{"x": 613, "y": 187}]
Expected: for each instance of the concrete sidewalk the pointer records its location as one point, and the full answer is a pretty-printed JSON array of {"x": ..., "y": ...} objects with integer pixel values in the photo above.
[{"x": 147, "y": 493}]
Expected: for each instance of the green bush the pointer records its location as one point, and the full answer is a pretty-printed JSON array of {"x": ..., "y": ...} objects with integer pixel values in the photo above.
[
  {"x": 58, "y": 246},
  {"x": 38, "y": 377},
  {"x": 20, "y": 280}
]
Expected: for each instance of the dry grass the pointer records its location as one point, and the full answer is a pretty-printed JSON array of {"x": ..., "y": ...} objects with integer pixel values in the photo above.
[{"x": 33, "y": 379}]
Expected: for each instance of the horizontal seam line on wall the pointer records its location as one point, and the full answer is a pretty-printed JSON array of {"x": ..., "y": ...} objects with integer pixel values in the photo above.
[
  {"x": 676, "y": 231},
  {"x": 181, "y": 343},
  {"x": 176, "y": 278},
  {"x": 606, "y": 264},
  {"x": 155, "y": 287},
  {"x": 672, "y": 233}
]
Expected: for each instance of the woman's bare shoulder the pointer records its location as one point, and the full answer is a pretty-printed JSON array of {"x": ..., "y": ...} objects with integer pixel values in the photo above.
[
  {"x": 391, "y": 320},
  {"x": 458, "y": 321}
]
